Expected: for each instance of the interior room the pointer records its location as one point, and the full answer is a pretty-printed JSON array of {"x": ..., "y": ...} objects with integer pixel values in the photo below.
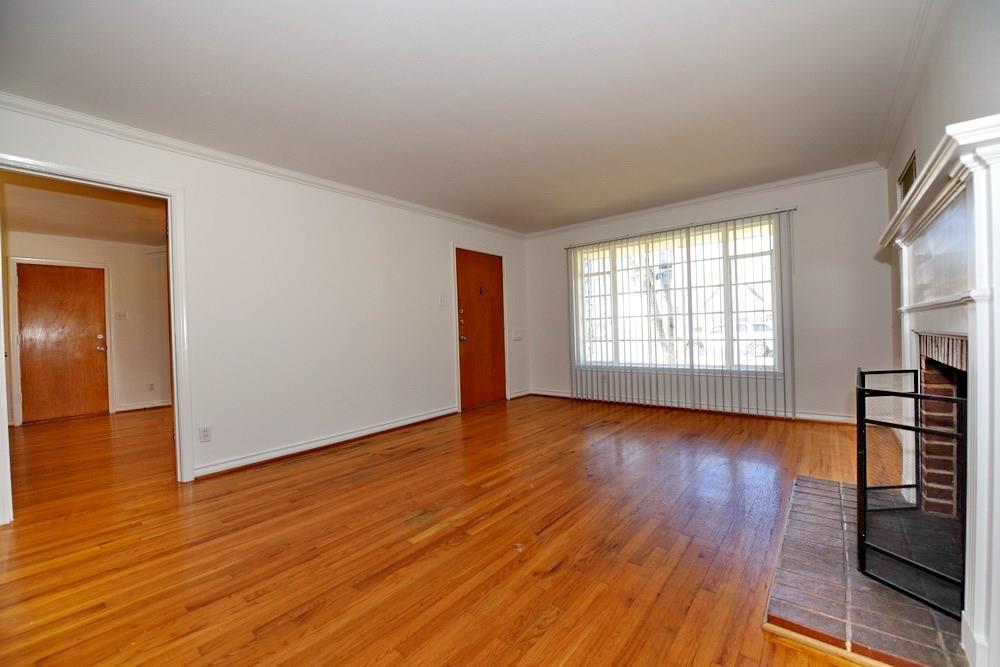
[
  {"x": 88, "y": 306},
  {"x": 472, "y": 334}
]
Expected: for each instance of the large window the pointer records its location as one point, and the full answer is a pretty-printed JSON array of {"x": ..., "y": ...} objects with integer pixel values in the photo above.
[{"x": 702, "y": 298}]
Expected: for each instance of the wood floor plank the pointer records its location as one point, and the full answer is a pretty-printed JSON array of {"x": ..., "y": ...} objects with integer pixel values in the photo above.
[{"x": 540, "y": 531}]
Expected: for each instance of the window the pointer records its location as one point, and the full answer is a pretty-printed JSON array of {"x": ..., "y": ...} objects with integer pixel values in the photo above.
[
  {"x": 700, "y": 300},
  {"x": 699, "y": 296}
]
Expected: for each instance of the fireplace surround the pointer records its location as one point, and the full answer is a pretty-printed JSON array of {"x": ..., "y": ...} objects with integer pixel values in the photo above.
[{"x": 945, "y": 235}]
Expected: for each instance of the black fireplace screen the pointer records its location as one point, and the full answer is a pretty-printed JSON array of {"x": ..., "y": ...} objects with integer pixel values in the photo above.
[{"x": 911, "y": 487}]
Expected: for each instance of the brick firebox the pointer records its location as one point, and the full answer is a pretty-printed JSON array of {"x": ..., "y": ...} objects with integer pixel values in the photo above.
[{"x": 943, "y": 363}]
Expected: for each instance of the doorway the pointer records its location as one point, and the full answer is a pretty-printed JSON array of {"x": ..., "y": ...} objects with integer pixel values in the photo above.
[
  {"x": 481, "y": 328},
  {"x": 89, "y": 329}
]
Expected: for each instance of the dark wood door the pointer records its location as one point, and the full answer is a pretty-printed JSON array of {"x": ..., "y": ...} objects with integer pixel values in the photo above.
[
  {"x": 63, "y": 343},
  {"x": 480, "y": 328}
]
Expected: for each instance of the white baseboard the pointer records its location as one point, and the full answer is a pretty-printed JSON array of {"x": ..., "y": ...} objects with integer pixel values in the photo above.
[
  {"x": 142, "y": 406},
  {"x": 976, "y": 647},
  {"x": 323, "y": 441},
  {"x": 519, "y": 393},
  {"x": 550, "y": 392},
  {"x": 826, "y": 417}
]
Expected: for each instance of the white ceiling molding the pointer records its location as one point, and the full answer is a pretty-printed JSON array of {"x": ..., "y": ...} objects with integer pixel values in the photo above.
[
  {"x": 829, "y": 175},
  {"x": 926, "y": 24},
  {"x": 83, "y": 121}
]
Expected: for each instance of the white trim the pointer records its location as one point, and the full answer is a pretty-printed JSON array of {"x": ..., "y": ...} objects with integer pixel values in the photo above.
[
  {"x": 185, "y": 432},
  {"x": 83, "y": 121},
  {"x": 943, "y": 302},
  {"x": 833, "y": 418},
  {"x": 973, "y": 131},
  {"x": 927, "y": 178},
  {"x": 127, "y": 407},
  {"x": 519, "y": 393},
  {"x": 557, "y": 393},
  {"x": 819, "y": 177},
  {"x": 14, "y": 315},
  {"x": 486, "y": 250},
  {"x": 314, "y": 443},
  {"x": 6, "y": 482}
]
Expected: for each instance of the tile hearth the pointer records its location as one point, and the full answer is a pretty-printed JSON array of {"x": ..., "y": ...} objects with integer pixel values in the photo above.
[{"x": 819, "y": 593}]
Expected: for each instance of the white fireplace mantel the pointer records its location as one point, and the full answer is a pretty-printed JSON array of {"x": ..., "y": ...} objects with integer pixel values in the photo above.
[{"x": 947, "y": 230}]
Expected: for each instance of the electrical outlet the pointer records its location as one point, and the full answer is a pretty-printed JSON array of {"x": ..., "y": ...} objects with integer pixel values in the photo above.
[{"x": 205, "y": 433}]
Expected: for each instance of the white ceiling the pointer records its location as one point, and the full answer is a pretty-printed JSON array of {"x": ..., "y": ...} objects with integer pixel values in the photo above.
[
  {"x": 50, "y": 206},
  {"x": 520, "y": 113}
]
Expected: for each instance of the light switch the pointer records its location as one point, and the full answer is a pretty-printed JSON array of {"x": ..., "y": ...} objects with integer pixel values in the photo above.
[
  {"x": 442, "y": 300},
  {"x": 517, "y": 334}
]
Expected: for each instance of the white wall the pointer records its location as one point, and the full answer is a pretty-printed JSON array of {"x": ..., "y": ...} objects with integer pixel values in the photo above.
[
  {"x": 961, "y": 82},
  {"x": 312, "y": 314},
  {"x": 842, "y": 313},
  {"x": 140, "y": 343}
]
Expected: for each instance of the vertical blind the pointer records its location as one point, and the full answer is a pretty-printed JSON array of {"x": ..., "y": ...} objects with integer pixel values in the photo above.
[{"x": 695, "y": 317}]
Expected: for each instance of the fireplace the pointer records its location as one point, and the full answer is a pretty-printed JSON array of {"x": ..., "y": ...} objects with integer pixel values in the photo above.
[
  {"x": 911, "y": 474},
  {"x": 943, "y": 363},
  {"x": 943, "y": 238}
]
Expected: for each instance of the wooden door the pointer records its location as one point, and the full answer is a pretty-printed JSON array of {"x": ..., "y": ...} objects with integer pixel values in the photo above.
[
  {"x": 63, "y": 343},
  {"x": 481, "y": 328}
]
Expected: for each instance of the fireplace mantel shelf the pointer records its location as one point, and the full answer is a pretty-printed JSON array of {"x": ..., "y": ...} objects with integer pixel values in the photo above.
[
  {"x": 944, "y": 302},
  {"x": 949, "y": 166}
]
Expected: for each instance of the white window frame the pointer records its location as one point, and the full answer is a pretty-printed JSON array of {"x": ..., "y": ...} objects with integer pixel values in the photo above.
[{"x": 778, "y": 312}]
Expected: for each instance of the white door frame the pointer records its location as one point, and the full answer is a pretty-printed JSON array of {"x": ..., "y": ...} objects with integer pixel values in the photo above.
[
  {"x": 184, "y": 431},
  {"x": 454, "y": 312},
  {"x": 17, "y": 405}
]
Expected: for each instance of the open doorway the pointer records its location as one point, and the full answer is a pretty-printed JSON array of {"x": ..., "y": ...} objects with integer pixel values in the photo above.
[{"x": 87, "y": 331}]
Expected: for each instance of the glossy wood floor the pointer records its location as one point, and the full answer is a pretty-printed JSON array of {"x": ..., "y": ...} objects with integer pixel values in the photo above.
[{"x": 541, "y": 531}]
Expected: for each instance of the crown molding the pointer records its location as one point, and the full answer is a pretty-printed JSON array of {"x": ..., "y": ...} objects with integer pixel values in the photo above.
[
  {"x": 818, "y": 177},
  {"x": 30, "y": 107},
  {"x": 926, "y": 25}
]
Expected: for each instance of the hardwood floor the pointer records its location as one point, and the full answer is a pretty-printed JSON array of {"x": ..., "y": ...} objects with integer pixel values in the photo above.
[{"x": 540, "y": 531}]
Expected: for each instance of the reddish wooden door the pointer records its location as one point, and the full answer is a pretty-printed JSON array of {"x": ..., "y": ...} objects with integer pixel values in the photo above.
[
  {"x": 481, "y": 328},
  {"x": 63, "y": 344}
]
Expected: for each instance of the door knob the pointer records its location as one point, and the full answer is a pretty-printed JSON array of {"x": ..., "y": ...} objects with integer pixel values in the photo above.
[
  {"x": 100, "y": 348},
  {"x": 462, "y": 338}
]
